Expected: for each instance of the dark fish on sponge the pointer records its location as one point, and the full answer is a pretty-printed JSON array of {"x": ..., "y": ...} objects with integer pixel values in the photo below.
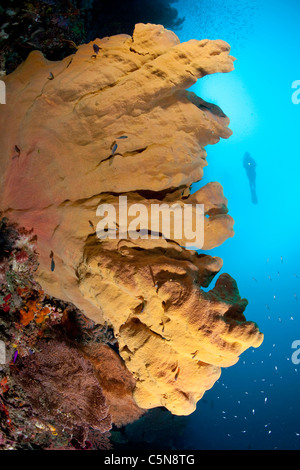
[
  {"x": 52, "y": 261},
  {"x": 177, "y": 373},
  {"x": 96, "y": 48},
  {"x": 123, "y": 137},
  {"x": 114, "y": 148}
]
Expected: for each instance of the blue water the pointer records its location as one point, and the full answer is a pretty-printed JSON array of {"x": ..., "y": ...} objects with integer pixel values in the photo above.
[{"x": 255, "y": 403}]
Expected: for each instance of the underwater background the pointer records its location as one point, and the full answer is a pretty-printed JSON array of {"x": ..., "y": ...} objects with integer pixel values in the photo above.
[{"x": 255, "y": 403}]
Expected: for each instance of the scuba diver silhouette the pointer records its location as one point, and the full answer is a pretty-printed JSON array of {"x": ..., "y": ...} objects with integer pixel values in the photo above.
[{"x": 250, "y": 165}]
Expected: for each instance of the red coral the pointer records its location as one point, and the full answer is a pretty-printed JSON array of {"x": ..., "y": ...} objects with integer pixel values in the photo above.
[
  {"x": 22, "y": 257},
  {"x": 3, "y": 385}
]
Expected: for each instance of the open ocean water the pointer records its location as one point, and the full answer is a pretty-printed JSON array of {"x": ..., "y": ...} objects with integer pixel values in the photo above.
[{"x": 255, "y": 404}]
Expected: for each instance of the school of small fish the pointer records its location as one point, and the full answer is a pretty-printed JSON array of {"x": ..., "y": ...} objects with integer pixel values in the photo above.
[{"x": 273, "y": 364}]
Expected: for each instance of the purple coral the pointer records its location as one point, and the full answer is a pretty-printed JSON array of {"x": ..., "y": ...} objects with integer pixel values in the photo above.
[{"x": 61, "y": 387}]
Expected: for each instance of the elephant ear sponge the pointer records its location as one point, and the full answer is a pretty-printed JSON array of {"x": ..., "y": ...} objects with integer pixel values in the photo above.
[
  {"x": 173, "y": 336},
  {"x": 116, "y": 119}
]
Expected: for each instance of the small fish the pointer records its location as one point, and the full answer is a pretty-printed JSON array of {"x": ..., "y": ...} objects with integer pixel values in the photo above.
[
  {"x": 253, "y": 279},
  {"x": 52, "y": 265},
  {"x": 270, "y": 278},
  {"x": 69, "y": 63},
  {"x": 281, "y": 259},
  {"x": 153, "y": 278},
  {"x": 96, "y": 48},
  {"x": 267, "y": 306},
  {"x": 91, "y": 224},
  {"x": 51, "y": 76},
  {"x": 123, "y": 137},
  {"x": 296, "y": 276},
  {"x": 51, "y": 254},
  {"x": 114, "y": 148},
  {"x": 296, "y": 298},
  {"x": 177, "y": 373}
]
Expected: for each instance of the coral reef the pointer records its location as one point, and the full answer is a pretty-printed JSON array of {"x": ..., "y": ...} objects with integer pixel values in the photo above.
[
  {"x": 113, "y": 119},
  {"x": 61, "y": 386},
  {"x": 57, "y": 27},
  {"x": 42, "y": 337},
  {"x": 53, "y": 26}
]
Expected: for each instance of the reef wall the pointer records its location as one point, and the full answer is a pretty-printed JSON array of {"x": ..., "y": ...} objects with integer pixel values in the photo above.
[{"x": 115, "y": 119}]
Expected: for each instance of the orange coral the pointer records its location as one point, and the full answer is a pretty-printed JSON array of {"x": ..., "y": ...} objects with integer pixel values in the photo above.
[
  {"x": 34, "y": 310},
  {"x": 26, "y": 317}
]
